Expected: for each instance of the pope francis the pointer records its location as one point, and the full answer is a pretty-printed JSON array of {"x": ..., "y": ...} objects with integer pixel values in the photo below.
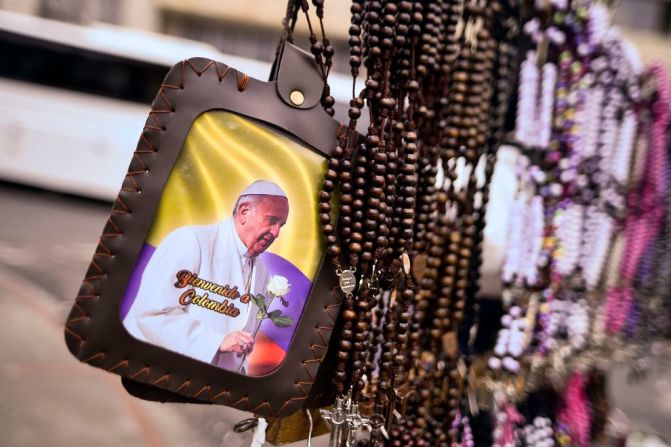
[{"x": 194, "y": 293}]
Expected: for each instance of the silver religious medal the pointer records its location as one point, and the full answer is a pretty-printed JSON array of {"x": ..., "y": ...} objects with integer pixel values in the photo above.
[{"x": 347, "y": 281}]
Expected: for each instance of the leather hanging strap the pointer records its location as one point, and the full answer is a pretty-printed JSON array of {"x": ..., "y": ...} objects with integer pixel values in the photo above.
[{"x": 288, "y": 25}]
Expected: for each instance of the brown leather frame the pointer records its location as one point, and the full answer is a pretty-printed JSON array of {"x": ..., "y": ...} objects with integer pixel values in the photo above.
[{"x": 94, "y": 332}]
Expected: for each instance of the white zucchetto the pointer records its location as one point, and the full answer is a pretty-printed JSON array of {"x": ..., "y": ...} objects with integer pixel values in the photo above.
[{"x": 263, "y": 188}]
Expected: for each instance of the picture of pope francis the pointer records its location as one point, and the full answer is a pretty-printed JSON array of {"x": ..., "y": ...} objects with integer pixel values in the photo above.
[{"x": 224, "y": 254}]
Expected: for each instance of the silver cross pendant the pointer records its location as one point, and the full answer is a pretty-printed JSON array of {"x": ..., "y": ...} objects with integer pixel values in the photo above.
[
  {"x": 395, "y": 405},
  {"x": 336, "y": 419},
  {"x": 345, "y": 421}
]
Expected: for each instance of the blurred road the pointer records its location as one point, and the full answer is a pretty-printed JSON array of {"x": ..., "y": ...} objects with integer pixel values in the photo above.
[{"x": 46, "y": 396}]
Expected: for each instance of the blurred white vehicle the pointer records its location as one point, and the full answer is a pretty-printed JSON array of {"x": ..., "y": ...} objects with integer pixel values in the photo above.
[{"x": 73, "y": 99}]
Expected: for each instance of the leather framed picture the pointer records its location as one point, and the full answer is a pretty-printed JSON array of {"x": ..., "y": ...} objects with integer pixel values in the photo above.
[{"x": 207, "y": 283}]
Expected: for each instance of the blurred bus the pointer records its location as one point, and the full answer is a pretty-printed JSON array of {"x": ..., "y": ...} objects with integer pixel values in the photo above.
[{"x": 74, "y": 99}]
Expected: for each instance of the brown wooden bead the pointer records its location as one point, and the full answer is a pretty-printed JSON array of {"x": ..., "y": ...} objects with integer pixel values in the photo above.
[
  {"x": 325, "y": 207},
  {"x": 334, "y": 251},
  {"x": 349, "y": 315}
]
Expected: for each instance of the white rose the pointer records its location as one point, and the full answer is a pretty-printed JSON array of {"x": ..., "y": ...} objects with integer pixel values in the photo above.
[{"x": 278, "y": 286}]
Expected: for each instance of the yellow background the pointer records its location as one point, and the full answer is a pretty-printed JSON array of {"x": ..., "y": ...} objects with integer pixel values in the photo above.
[{"x": 224, "y": 153}]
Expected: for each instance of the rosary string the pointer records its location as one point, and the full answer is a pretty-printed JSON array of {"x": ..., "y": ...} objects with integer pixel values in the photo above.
[{"x": 403, "y": 212}]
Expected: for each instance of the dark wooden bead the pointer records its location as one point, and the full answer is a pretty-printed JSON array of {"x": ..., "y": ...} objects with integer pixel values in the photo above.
[
  {"x": 372, "y": 213},
  {"x": 328, "y": 229},
  {"x": 345, "y": 345},
  {"x": 334, "y": 251},
  {"x": 348, "y": 315},
  {"x": 360, "y": 337},
  {"x": 356, "y": 102},
  {"x": 340, "y": 375},
  {"x": 317, "y": 48},
  {"x": 362, "y": 305},
  {"x": 408, "y": 169},
  {"x": 373, "y": 85},
  {"x": 388, "y": 102}
]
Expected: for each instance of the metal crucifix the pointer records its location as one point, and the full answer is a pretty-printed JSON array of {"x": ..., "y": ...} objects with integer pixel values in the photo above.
[
  {"x": 345, "y": 421},
  {"x": 395, "y": 405}
]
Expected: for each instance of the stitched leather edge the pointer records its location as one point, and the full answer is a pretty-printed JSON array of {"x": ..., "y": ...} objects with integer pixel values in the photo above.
[{"x": 81, "y": 323}]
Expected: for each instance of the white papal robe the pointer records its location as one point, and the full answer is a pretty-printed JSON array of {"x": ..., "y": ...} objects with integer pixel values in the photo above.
[{"x": 216, "y": 254}]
